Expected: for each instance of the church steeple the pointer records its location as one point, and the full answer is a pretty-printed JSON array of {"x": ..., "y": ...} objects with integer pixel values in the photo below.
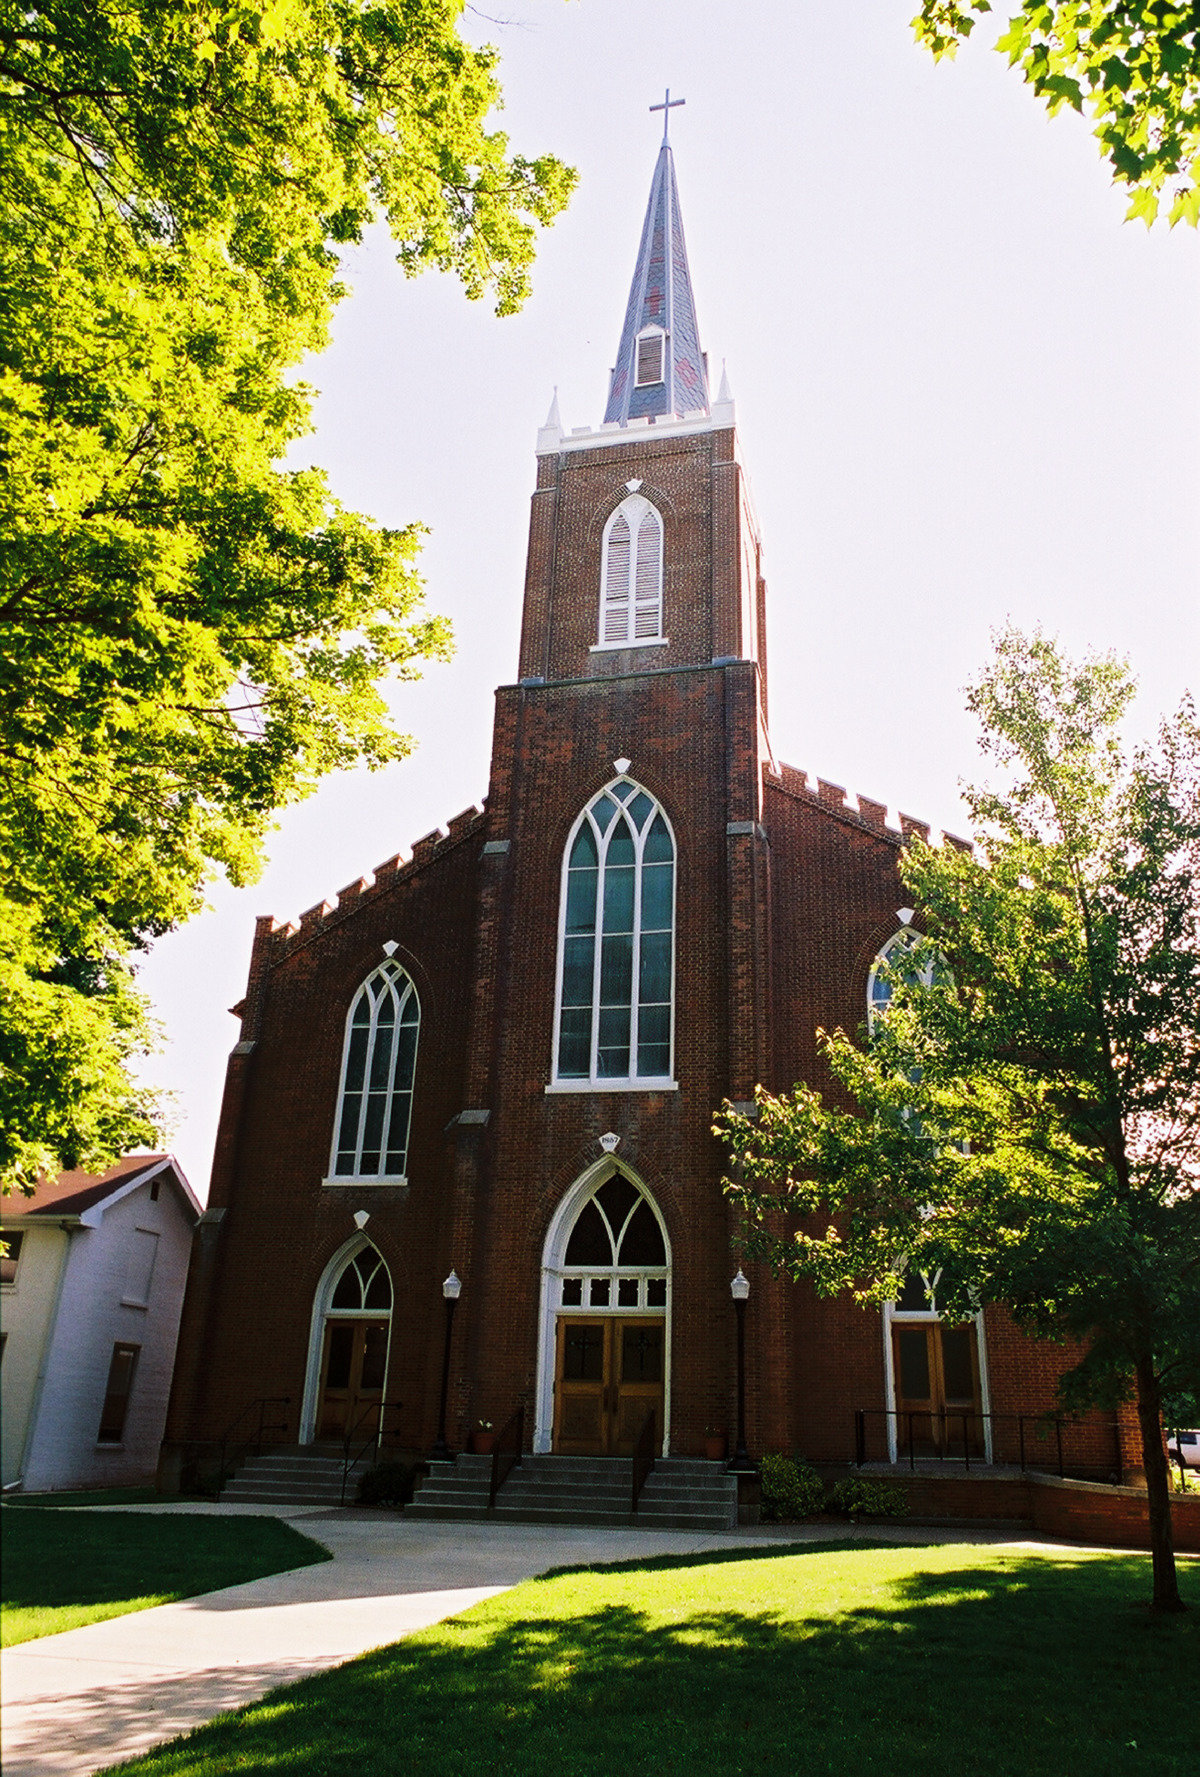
[{"x": 660, "y": 369}]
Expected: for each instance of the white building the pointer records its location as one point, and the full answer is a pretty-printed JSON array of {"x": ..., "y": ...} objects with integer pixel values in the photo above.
[{"x": 91, "y": 1290}]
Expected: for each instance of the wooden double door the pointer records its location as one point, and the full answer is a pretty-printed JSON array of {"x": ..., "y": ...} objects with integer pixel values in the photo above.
[
  {"x": 938, "y": 1407},
  {"x": 609, "y": 1373},
  {"x": 353, "y": 1373}
]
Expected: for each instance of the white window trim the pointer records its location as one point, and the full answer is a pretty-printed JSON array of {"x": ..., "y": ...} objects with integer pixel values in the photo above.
[
  {"x": 624, "y": 647},
  {"x": 629, "y": 1082},
  {"x": 372, "y": 1180},
  {"x": 643, "y": 1083},
  {"x": 634, "y": 507},
  {"x": 390, "y": 969}
]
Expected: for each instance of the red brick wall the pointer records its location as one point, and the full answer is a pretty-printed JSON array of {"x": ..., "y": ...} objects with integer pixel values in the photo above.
[{"x": 784, "y": 896}]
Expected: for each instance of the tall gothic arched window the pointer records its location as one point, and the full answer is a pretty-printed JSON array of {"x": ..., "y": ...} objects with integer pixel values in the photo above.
[
  {"x": 899, "y": 960},
  {"x": 631, "y": 575},
  {"x": 617, "y": 943},
  {"x": 378, "y": 1063}
]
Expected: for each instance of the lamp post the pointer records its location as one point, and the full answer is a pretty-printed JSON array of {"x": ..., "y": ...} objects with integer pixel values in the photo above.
[
  {"x": 739, "y": 1289},
  {"x": 451, "y": 1291}
]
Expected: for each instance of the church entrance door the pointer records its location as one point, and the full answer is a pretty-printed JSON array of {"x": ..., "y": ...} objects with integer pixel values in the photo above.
[
  {"x": 353, "y": 1368},
  {"x": 608, "y": 1375},
  {"x": 937, "y": 1388}
]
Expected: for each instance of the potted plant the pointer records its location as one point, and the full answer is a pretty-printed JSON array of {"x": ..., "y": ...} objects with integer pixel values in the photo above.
[
  {"x": 715, "y": 1444},
  {"x": 483, "y": 1438}
]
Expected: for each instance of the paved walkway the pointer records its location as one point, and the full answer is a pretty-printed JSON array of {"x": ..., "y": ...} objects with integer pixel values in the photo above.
[{"x": 79, "y": 1702}]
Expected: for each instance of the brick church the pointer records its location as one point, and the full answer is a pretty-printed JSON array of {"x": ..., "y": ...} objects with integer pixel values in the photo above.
[{"x": 495, "y": 1062}]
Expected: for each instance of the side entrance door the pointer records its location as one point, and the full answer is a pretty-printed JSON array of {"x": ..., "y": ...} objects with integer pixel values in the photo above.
[
  {"x": 353, "y": 1370},
  {"x": 609, "y": 1373},
  {"x": 937, "y": 1388}
]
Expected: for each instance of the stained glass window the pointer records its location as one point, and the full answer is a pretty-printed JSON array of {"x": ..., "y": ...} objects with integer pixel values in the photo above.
[{"x": 616, "y": 975}]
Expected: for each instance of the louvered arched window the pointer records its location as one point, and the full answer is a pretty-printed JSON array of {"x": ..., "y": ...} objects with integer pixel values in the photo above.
[
  {"x": 378, "y": 1063},
  {"x": 631, "y": 575},
  {"x": 617, "y": 943}
]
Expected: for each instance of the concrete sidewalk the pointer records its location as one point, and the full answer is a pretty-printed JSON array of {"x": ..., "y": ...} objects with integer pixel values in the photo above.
[{"x": 79, "y": 1702}]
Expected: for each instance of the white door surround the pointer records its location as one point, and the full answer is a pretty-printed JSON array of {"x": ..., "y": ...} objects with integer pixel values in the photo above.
[{"x": 653, "y": 1281}]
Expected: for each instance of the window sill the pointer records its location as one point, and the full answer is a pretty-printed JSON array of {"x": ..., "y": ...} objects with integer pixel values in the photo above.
[
  {"x": 613, "y": 1086},
  {"x": 128, "y": 1302},
  {"x": 627, "y": 647},
  {"x": 396, "y": 1181}
]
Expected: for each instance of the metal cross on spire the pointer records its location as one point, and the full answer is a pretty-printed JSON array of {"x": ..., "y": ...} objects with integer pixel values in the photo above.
[{"x": 668, "y": 105}]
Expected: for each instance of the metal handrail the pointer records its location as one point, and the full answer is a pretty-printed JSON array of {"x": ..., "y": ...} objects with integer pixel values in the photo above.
[
  {"x": 376, "y": 1437},
  {"x": 643, "y": 1456},
  {"x": 946, "y": 1418},
  {"x": 252, "y": 1443},
  {"x": 506, "y": 1453}
]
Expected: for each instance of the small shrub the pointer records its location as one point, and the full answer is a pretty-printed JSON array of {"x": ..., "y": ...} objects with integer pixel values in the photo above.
[
  {"x": 790, "y": 1489},
  {"x": 387, "y": 1484},
  {"x": 859, "y": 1497}
]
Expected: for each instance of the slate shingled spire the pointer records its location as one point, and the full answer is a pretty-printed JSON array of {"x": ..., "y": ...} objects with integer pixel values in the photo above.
[{"x": 674, "y": 377}]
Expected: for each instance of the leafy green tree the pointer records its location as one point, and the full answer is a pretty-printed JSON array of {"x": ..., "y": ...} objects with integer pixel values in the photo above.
[
  {"x": 192, "y": 636},
  {"x": 1025, "y": 1116},
  {"x": 1133, "y": 64}
]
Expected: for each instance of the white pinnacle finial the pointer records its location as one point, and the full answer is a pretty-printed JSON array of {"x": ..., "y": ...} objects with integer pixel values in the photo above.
[
  {"x": 553, "y": 418},
  {"x": 724, "y": 393}
]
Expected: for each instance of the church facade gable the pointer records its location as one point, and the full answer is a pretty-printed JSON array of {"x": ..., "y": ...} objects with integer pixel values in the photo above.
[{"x": 501, "y": 1058}]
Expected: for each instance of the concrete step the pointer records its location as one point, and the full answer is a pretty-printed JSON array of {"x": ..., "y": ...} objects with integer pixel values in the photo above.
[
  {"x": 291, "y": 1475},
  {"x": 680, "y": 1493}
]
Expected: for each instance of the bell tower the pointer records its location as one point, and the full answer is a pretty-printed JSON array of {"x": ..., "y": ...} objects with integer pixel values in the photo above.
[{"x": 644, "y": 550}]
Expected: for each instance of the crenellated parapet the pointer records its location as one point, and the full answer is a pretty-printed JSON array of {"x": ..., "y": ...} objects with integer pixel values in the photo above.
[
  {"x": 287, "y": 936},
  {"x": 862, "y": 811}
]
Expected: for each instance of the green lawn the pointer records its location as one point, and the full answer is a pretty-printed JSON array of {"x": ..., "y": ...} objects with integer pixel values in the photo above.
[
  {"x": 859, "y": 1661},
  {"x": 63, "y": 1569}
]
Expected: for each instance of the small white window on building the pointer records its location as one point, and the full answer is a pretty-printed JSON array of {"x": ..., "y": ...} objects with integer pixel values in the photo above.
[
  {"x": 631, "y": 575},
  {"x": 649, "y": 366},
  {"x": 139, "y": 1274},
  {"x": 10, "y": 1257},
  {"x": 117, "y": 1392}
]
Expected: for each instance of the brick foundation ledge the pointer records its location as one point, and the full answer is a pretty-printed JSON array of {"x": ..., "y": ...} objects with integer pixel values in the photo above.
[
  {"x": 1090, "y": 1512},
  {"x": 1077, "y": 1511}
]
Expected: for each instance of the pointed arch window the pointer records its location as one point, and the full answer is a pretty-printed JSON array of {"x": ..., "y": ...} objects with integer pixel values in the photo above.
[
  {"x": 631, "y": 575},
  {"x": 616, "y": 1256},
  {"x": 364, "y": 1286},
  {"x": 378, "y": 1063},
  {"x": 617, "y": 943},
  {"x": 900, "y": 960}
]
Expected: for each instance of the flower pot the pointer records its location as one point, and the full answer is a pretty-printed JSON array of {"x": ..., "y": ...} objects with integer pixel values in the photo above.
[
  {"x": 714, "y": 1448},
  {"x": 483, "y": 1442}
]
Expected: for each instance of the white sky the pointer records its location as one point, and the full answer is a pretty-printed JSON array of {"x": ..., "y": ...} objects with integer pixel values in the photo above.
[{"x": 966, "y": 391}]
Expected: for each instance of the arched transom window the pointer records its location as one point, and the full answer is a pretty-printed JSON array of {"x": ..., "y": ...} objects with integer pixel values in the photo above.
[
  {"x": 897, "y": 959},
  {"x": 616, "y": 955},
  {"x": 378, "y": 1062},
  {"x": 631, "y": 575},
  {"x": 616, "y": 1256},
  {"x": 364, "y": 1286}
]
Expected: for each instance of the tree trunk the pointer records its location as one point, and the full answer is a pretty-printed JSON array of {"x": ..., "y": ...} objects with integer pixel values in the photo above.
[{"x": 1158, "y": 1495}]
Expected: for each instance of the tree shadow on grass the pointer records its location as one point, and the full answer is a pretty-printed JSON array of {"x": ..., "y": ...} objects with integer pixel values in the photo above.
[
  {"x": 1022, "y": 1664},
  {"x": 52, "y": 1559}
]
